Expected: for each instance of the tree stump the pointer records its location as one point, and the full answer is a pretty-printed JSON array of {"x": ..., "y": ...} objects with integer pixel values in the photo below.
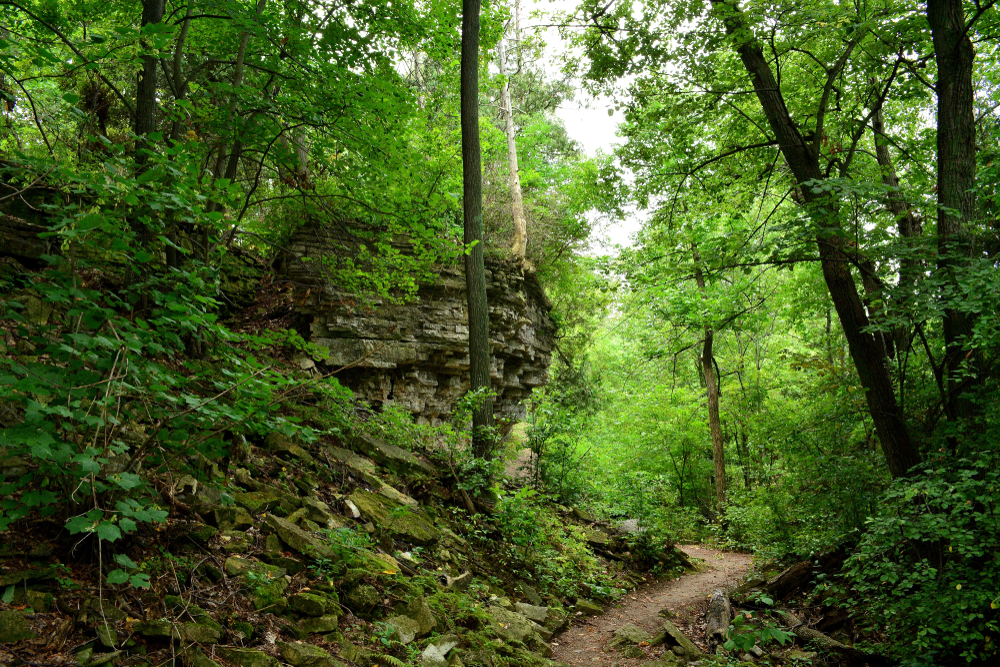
[{"x": 717, "y": 619}]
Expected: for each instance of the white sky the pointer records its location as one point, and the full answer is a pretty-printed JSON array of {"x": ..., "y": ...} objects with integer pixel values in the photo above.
[{"x": 586, "y": 118}]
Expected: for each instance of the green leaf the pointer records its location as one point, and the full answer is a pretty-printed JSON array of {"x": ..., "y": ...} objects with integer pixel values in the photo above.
[
  {"x": 8, "y": 595},
  {"x": 140, "y": 580},
  {"x": 108, "y": 531},
  {"x": 117, "y": 577},
  {"x": 125, "y": 561},
  {"x": 72, "y": 98}
]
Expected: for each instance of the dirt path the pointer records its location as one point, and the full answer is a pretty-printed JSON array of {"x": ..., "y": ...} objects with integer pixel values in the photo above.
[{"x": 584, "y": 642}]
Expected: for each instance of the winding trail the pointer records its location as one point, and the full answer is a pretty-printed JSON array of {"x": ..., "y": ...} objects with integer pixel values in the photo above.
[{"x": 583, "y": 644}]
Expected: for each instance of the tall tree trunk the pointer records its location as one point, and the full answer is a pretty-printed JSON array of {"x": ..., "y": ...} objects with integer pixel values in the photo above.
[
  {"x": 145, "y": 92},
  {"x": 144, "y": 124},
  {"x": 237, "y": 149},
  {"x": 519, "y": 245},
  {"x": 712, "y": 390},
  {"x": 475, "y": 268},
  {"x": 956, "y": 162},
  {"x": 908, "y": 224},
  {"x": 867, "y": 351}
]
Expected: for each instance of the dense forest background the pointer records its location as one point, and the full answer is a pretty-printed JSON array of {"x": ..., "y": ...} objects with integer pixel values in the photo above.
[{"x": 797, "y": 355}]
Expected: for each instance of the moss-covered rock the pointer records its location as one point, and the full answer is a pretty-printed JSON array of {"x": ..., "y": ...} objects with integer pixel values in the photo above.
[
  {"x": 266, "y": 584},
  {"x": 394, "y": 518},
  {"x": 189, "y": 632},
  {"x": 595, "y": 537},
  {"x": 391, "y": 456},
  {"x": 14, "y": 627},
  {"x": 320, "y": 625},
  {"x": 280, "y": 443},
  {"x": 236, "y": 566},
  {"x": 587, "y": 608},
  {"x": 194, "y": 656},
  {"x": 202, "y": 533},
  {"x": 405, "y": 629},
  {"x": 302, "y": 654},
  {"x": 512, "y": 627},
  {"x": 39, "y": 601},
  {"x": 626, "y": 640},
  {"x": 107, "y": 635},
  {"x": 319, "y": 512},
  {"x": 395, "y": 495},
  {"x": 241, "y": 629},
  {"x": 678, "y": 642},
  {"x": 298, "y": 539},
  {"x": 355, "y": 462},
  {"x": 420, "y": 611},
  {"x": 234, "y": 541},
  {"x": 229, "y": 518},
  {"x": 362, "y": 599},
  {"x": 199, "y": 615},
  {"x": 257, "y": 502},
  {"x": 245, "y": 657},
  {"x": 106, "y": 610},
  {"x": 115, "y": 657},
  {"x": 14, "y": 577},
  {"x": 308, "y": 604}
]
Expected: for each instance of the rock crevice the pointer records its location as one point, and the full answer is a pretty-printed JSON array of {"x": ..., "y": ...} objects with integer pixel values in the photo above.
[{"x": 415, "y": 354}]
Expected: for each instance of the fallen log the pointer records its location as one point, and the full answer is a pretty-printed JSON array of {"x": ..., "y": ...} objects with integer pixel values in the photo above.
[
  {"x": 717, "y": 619},
  {"x": 790, "y": 580},
  {"x": 807, "y": 634}
]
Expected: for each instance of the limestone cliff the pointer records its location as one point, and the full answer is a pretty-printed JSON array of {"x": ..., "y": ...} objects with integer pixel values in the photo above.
[{"x": 415, "y": 354}]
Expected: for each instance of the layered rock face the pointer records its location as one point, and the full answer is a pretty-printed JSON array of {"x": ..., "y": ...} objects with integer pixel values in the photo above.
[{"x": 416, "y": 354}]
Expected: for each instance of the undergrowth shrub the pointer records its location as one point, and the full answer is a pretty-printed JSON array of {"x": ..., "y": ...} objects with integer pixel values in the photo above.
[
  {"x": 108, "y": 391},
  {"x": 928, "y": 567},
  {"x": 527, "y": 538}
]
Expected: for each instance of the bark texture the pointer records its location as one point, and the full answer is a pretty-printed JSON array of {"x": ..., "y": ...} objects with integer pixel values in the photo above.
[
  {"x": 956, "y": 163},
  {"x": 712, "y": 393},
  {"x": 867, "y": 351},
  {"x": 809, "y": 635},
  {"x": 717, "y": 619},
  {"x": 520, "y": 243},
  {"x": 475, "y": 269},
  {"x": 145, "y": 92}
]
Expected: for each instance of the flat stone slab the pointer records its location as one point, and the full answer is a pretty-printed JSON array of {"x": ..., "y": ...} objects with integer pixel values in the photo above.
[
  {"x": 395, "y": 518},
  {"x": 298, "y": 539},
  {"x": 390, "y": 455}
]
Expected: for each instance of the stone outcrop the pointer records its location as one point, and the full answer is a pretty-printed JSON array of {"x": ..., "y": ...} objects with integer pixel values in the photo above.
[{"x": 415, "y": 354}]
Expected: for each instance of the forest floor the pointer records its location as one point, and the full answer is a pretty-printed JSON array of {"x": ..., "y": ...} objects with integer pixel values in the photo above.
[{"x": 584, "y": 643}]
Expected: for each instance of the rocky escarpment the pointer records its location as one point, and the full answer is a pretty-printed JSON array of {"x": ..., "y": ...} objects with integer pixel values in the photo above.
[{"x": 415, "y": 354}]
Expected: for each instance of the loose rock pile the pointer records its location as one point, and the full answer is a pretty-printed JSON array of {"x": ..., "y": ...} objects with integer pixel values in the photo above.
[{"x": 309, "y": 555}]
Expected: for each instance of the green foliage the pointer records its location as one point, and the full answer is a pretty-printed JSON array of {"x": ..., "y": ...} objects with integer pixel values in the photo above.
[
  {"x": 111, "y": 386},
  {"x": 745, "y": 633},
  {"x": 929, "y": 564},
  {"x": 126, "y": 573},
  {"x": 515, "y": 517},
  {"x": 349, "y": 544},
  {"x": 529, "y": 541}
]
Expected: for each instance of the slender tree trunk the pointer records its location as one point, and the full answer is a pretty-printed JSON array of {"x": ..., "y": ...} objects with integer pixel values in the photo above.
[
  {"x": 712, "y": 391},
  {"x": 145, "y": 93},
  {"x": 714, "y": 422},
  {"x": 867, "y": 351},
  {"x": 144, "y": 123},
  {"x": 519, "y": 245},
  {"x": 956, "y": 162},
  {"x": 475, "y": 268},
  {"x": 908, "y": 224},
  {"x": 237, "y": 149},
  {"x": 177, "y": 73}
]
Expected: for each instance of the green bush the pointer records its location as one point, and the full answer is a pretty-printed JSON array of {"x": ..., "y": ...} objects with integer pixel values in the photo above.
[
  {"x": 109, "y": 388},
  {"x": 929, "y": 565}
]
